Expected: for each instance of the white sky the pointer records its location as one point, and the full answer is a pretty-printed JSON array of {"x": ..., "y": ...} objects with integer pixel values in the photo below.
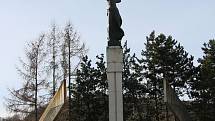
[{"x": 191, "y": 22}]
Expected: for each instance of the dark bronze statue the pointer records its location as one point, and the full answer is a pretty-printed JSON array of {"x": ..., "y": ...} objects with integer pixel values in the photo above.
[{"x": 115, "y": 32}]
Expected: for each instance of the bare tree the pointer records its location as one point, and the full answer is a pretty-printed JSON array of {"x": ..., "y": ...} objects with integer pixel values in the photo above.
[
  {"x": 53, "y": 43},
  {"x": 63, "y": 45},
  {"x": 28, "y": 98},
  {"x": 72, "y": 47},
  {"x": 51, "y": 53},
  {"x": 13, "y": 118}
]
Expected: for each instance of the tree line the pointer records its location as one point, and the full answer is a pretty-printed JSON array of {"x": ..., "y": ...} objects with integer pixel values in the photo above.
[{"x": 162, "y": 57}]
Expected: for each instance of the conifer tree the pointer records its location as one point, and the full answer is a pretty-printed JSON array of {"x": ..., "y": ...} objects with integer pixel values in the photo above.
[
  {"x": 28, "y": 99},
  {"x": 90, "y": 91},
  {"x": 133, "y": 86},
  {"x": 53, "y": 52},
  {"x": 165, "y": 58},
  {"x": 127, "y": 104},
  {"x": 203, "y": 87}
]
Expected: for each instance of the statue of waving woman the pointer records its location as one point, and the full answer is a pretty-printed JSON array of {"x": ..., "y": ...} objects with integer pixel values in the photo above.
[{"x": 115, "y": 32}]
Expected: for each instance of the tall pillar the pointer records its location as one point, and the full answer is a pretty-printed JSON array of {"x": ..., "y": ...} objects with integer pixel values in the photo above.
[{"x": 114, "y": 76}]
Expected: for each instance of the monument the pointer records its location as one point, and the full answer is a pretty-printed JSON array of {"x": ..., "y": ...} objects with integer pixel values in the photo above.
[
  {"x": 115, "y": 33},
  {"x": 115, "y": 62},
  {"x": 174, "y": 103}
]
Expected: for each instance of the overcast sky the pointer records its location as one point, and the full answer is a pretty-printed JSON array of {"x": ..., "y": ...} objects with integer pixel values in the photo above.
[{"x": 191, "y": 22}]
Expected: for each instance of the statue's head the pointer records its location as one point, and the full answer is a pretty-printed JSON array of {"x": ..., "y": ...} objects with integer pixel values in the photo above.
[{"x": 117, "y": 1}]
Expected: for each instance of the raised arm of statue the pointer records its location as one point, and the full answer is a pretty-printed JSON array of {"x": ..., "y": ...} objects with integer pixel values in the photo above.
[{"x": 115, "y": 32}]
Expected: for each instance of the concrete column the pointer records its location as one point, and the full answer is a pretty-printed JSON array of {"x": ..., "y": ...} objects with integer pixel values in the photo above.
[{"x": 114, "y": 76}]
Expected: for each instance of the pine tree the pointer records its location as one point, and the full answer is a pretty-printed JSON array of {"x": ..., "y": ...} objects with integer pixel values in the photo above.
[
  {"x": 102, "y": 89},
  {"x": 133, "y": 87},
  {"x": 165, "y": 58},
  {"x": 90, "y": 91},
  {"x": 151, "y": 74},
  {"x": 203, "y": 87},
  {"x": 127, "y": 104}
]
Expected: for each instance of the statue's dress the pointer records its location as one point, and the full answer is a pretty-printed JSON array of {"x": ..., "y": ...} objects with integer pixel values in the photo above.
[{"x": 115, "y": 31}]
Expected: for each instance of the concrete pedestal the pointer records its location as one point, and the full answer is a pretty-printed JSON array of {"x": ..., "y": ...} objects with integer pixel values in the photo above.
[{"x": 114, "y": 75}]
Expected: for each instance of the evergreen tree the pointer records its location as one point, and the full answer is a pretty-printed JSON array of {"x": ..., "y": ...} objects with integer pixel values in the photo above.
[
  {"x": 102, "y": 89},
  {"x": 133, "y": 87},
  {"x": 127, "y": 104},
  {"x": 203, "y": 87},
  {"x": 151, "y": 74},
  {"x": 165, "y": 58},
  {"x": 90, "y": 91}
]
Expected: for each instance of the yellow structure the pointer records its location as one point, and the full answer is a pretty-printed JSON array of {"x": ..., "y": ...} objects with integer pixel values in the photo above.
[{"x": 55, "y": 104}]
